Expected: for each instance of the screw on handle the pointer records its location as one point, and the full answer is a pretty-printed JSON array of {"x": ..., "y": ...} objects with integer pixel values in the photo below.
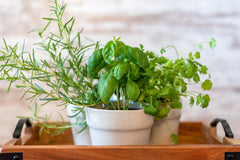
[
  {"x": 226, "y": 127},
  {"x": 19, "y": 126}
]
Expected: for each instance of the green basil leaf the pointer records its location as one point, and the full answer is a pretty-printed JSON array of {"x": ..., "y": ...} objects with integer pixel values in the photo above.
[
  {"x": 132, "y": 90},
  {"x": 138, "y": 56},
  {"x": 134, "y": 71},
  {"x": 106, "y": 86},
  {"x": 120, "y": 51},
  {"x": 95, "y": 63},
  {"x": 120, "y": 70},
  {"x": 114, "y": 50},
  {"x": 108, "y": 51}
]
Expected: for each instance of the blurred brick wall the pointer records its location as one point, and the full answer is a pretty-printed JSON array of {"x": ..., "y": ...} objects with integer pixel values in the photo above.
[{"x": 153, "y": 23}]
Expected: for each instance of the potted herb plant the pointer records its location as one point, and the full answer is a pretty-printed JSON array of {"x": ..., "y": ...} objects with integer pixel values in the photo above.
[
  {"x": 140, "y": 80},
  {"x": 156, "y": 82},
  {"x": 54, "y": 70},
  {"x": 169, "y": 82},
  {"x": 119, "y": 69}
]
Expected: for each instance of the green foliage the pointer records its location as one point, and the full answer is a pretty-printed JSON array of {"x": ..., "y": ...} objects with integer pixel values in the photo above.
[
  {"x": 61, "y": 70},
  {"x": 124, "y": 68},
  {"x": 163, "y": 112},
  {"x": 106, "y": 86},
  {"x": 212, "y": 43},
  {"x": 132, "y": 90},
  {"x": 96, "y": 63},
  {"x": 174, "y": 138},
  {"x": 119, "y": 69},
  {"x": 58, "y": 74},
  {"x": 206, "y": 85}
]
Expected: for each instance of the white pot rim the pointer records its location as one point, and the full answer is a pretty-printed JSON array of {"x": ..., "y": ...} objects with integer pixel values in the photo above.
[{"x": 118, "y": 111}]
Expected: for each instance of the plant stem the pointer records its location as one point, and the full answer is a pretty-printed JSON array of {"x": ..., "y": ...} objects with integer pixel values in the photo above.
[
  {"x": 192, "y": 47},
  {"x": 171, "y": 46},
  {"x": 118, "y": 98}
]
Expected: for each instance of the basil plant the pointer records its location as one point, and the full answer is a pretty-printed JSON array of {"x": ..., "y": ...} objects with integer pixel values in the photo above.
[{"x": 132, "y": 74}]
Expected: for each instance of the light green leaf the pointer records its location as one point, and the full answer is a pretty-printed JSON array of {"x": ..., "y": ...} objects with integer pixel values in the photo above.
[
  {"x": 206, "y": 100},
  {"x": 206, "y": 85},
  {"x": 150, "y": 110},
  {"x": 204, "y": 69},
  {"x": 176, "y": 104},
  {"x": 163, "y": 112},
  {"x": 212, "y": 43},
  {"x": 197, "y": 55},
  {"x": 174, "y": 138}
]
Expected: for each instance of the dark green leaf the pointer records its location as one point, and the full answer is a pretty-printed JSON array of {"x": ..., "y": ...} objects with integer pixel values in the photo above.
[
  {"x": 191, "y": 101},
  {"x": 108, "y": 52},
  {"x": 134, "y": 71},
  {"x": 162, "y": 50},
  {"x": 132, "y": 90},
  {"x": 120, "y": 70},
  {"x": 138, "y": 56},
  {"x": 96, "y": 63},
  {"x": 106, "y": 86}
]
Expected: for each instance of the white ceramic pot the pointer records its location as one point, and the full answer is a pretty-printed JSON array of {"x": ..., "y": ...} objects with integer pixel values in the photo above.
[
  {"x": 162, "y": 129},
  {"x": 114, "y": 127},
  {"x": 82, "y": 138}
]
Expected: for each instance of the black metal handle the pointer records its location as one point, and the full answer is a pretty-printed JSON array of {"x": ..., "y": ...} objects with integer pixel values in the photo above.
[
  {"x": 226, "y": 127},
  {"x": 19, "y": 126}
]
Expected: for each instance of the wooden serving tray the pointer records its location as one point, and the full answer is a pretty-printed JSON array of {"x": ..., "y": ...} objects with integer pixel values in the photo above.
[{"x": 197, "y": 141}]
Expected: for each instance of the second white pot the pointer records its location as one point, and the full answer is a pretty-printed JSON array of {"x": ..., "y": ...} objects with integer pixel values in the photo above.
[
  {"x": 82, "y": 138},
  {"x": 114, "y": 127},
  {"x": 162, "y": 129}
]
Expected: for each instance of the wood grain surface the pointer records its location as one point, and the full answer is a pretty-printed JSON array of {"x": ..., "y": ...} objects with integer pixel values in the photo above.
[{"x": 193, "y": 144}]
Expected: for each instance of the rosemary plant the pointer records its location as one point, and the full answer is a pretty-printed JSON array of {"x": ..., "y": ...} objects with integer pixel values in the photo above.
[{"x": 55, "y": 70}]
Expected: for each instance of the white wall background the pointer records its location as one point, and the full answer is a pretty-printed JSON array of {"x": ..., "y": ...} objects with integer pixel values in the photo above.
[{"x": 153, "y": 23}]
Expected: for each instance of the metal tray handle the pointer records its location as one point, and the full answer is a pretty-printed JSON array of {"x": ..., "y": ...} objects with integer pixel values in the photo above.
[
  {"x": 19, "y": 126},
  {"x": 226, "y": 127}
]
